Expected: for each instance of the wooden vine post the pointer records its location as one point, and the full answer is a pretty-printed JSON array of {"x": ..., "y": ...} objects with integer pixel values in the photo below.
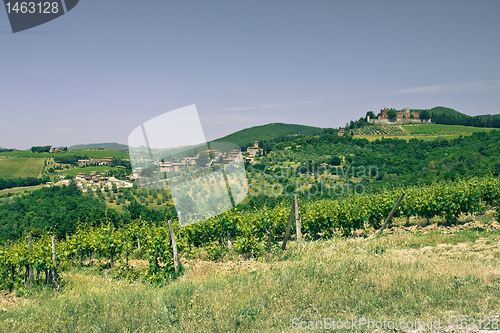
[
  {"x": 294, "y": 214},
  {"x": 174, "y": 246},
  {"x": 54, "y": 269},
  {"x": 229, "y": 241},
  {"x": 391, "y": 214},
  {"x": 112, "y": 251},
  {"x": 30, "y": 277},
  {"x": 268, "y": 234},
  {"x": 179, "y": 218},
  {"x": 126, "y": 260},
  {"x": 298, "y": 222},
  {"x": 8, "y": 250}
]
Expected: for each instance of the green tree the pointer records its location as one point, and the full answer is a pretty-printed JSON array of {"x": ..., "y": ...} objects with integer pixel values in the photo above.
[
  {"x": 370, "y": 114},
  {"x": 392, "y": 114},
  {"x": 202, "y": 160},
  {"x": 425, "y": 115}
]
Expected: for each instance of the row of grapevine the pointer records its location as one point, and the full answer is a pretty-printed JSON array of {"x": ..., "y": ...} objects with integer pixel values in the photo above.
[
  {"x": 103, "y": 242},
  {"x": 248, "y": 230},
  {"x": 328, "y": 217}
]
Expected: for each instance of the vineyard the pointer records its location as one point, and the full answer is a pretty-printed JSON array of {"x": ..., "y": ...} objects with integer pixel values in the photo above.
[
  {"x": 389, "y": 130},
  {"x": 250, "y": 232},
  {"x": 441, "y": 130},
  {"x": 420, "y": 131},
  {"x": 21, "y": 167}
]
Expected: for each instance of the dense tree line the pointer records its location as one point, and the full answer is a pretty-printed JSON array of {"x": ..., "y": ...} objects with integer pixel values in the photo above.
[
  {"x": 41, "y": 149},
  {"x": 20, "y": 182},
  {"x": 58, "y": 208},
  {"x": 410, "y": 161},
  {"x": 66, "y": 159},
  {"x": 479, "y": 121},
  {"x": 61, "y": 209},
  {"x": 121, "y": 162}
]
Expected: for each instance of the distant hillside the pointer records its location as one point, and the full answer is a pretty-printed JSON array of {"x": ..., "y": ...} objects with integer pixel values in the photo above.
[
  {"x": 247, "y": 136},
  {"x": 441, "y": 110},
  {"x": 448, "y": 116},
  {"x": 108, "y": 146},
  {"x": 489, "y": 117}
]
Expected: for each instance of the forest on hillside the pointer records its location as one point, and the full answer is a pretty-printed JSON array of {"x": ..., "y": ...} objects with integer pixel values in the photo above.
[{"x": 410, "y": 162}]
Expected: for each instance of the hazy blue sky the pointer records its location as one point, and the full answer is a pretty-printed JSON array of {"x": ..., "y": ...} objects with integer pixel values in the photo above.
[{"x": 96, "y": 73}]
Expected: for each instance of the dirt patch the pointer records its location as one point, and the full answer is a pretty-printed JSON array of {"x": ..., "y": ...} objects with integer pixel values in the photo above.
[
  {"x": 200, "y": 269},
  {"x": 9, "y": 299},
  {"x": 473, "y": 225}
]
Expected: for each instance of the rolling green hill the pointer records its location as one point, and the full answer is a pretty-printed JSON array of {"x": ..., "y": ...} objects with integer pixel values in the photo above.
[
  {"x": 108, "y": 146},
  {"x": 489, "y": 117},
  {"x": 441, "y": 110},
  {"x": 448, "y": 116},
  {"x": 247, "y": 136}
]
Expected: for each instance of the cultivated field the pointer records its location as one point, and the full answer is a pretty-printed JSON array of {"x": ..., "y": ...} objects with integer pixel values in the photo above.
[
  {"x": 416, "y": 131},
  {"x": 443, "y": 130},
  {"x": 21, "y": 167}
]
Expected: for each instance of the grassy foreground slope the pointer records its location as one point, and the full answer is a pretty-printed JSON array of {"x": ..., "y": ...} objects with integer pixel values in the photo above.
[
  {"x": 21, "y": 167},
  {"x": 399, "y": 277}
]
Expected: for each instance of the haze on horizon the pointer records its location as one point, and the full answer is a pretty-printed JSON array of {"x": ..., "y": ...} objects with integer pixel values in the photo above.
[{"x": 106, "y": 67}]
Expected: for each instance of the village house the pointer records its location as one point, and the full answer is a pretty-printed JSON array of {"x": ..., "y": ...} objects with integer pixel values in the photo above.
[
  {"x": 171, "y": 167},
  {"x": 166, "y": 167},
  {"x": 178, "y": 166},
  {"x": 405, "y": 113},
  {"x": 98, "y": 161},
  {"x": 189, "y": 161},
  {"x": 404, "y": 116},
  {"x": 82, "y": 163},
  {"x": 94, "y": 176},
  {"x": 235, "y": 153},
  {"x": 253, "y": 151},
  {"x": 213, "y": 153},
  {"x": 55, "y": 150}
]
